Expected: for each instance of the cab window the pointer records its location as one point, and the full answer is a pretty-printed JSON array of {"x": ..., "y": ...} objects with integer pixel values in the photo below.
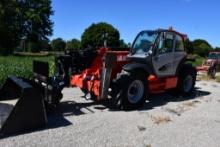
[
  {"x": 179, "y": 45},
  {"x": 165, "y": 43}
]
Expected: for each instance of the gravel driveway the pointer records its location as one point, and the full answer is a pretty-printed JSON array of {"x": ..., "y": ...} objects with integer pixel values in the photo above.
[{"x": 163, "y": 121}]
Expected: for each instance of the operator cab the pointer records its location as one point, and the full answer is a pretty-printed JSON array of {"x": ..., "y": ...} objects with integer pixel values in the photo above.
[{"x": 163, "y": 50}]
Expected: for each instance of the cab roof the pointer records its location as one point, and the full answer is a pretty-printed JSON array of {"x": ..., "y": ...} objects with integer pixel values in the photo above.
[{"x": 184, "y": 36}]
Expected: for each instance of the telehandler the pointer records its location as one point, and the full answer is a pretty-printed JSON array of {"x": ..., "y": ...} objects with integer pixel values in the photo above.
[{"x": 156, "y": 62}]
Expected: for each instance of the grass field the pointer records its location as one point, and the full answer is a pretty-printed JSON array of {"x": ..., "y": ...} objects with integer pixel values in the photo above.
[
  {"x": 218, "y": 79},
  {"x": 20, "y": 66}
]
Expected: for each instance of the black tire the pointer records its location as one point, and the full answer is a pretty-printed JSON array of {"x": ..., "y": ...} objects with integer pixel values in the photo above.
[
  {"x": 186, "y": 81},
  {"x": 212, "y": 72},
  {"x": 125, "y": 86}
]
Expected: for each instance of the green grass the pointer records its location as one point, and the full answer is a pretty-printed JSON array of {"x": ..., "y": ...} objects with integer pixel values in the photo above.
[
  {"x": 198, "y": 60},
  {"x": 21, "y": 66},
  {"x": 218, "y": 79}
]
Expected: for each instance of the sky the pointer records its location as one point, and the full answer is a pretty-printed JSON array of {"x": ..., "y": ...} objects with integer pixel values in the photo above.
[{"x": 196, "y": 18}]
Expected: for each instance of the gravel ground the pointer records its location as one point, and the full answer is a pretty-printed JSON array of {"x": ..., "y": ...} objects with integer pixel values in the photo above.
[{"x": 163, "y": 121}]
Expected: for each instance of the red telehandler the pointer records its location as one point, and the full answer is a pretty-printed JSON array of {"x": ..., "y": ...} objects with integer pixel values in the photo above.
[{"x": 156, "y": 62}]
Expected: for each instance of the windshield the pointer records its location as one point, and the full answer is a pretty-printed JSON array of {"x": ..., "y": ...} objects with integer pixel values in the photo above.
[
  {"x": 144, "y": 42},
  {"x": 213, "y": 56}
]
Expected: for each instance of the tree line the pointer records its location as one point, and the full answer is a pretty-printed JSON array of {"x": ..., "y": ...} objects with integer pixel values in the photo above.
[
  {"x": 93, "y": 37},
  {"x": 26, "y": 25},
  {"x": 24, "y": 22},
  {"x": 200, "y": 47}
]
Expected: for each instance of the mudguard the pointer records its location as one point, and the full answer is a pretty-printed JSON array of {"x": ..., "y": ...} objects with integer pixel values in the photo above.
[
  {"x": 185, "y": 66},
  {"x": 138, "y": 66}
]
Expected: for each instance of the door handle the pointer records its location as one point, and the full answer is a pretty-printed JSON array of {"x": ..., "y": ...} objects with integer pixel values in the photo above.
[{"x": 165, "y": 67}]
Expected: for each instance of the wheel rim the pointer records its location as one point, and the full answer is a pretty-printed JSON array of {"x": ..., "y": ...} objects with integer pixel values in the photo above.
[
  {"x": 187, "y": 84},
  {"x": 135, "y": 91}
]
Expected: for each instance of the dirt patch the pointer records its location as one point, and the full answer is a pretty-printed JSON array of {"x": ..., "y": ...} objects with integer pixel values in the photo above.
[
  {"x": 189, "y": 104},
  {"x": 203, "y": 77},
  {"x": 160, "y": 119},
  {"x": 182, "y": 108},
  {"x": 177, "y": 111}
]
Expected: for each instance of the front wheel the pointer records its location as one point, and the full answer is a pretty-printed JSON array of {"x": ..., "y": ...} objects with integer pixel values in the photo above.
[
  {"x": 186, "y": 81},
  {"x": 130, "y": 91}
]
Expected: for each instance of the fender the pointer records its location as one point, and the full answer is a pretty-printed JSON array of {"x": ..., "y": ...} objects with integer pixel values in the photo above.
[
  {"x": 184, "y": 65},
  {"x": 138, "y": 66}
]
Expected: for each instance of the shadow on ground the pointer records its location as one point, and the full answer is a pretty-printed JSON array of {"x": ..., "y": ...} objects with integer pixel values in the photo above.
[
  {"x": 57, "y": 118},
  {"x": 164, "y": 98},
  {"x": 68, "y": 108}
]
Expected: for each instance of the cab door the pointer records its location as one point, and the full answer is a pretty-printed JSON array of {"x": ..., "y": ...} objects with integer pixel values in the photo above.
[
  {"x": 164, "y": 55},
  {"x": 179, "y": 52}
]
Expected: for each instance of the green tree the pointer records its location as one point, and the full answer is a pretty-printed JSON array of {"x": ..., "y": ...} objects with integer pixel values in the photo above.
[
  {"x": 37, "y": 25},
  {"x": 188, "y": 46},
  {"x": 217, "y": 48},
  {"x": 73, "y": 44},
  {"x": 45, "y": 45},
  {"x": 28, "y": 19},
  {"x": 201, "y": 47},
  {"x": 58, "y": 44},
  {"x": 33, "y": 46},
  {"x": 10, "y": 26},
  {"x": 129, "y": 45},
  {"x": 37, "y": 46},
  {"x": 93, "y": 36},
  {"x": 123, "y": 44}
]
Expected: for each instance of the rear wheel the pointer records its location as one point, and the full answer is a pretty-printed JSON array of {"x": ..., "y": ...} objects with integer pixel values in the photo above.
[
  {"x": 212, "y": 72},
  {"x": 130, "y": 91},
  {"x": 186, "y": 81}
]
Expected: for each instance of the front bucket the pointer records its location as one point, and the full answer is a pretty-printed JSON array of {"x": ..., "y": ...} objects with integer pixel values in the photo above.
[{"x": 21, "y": 107}]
